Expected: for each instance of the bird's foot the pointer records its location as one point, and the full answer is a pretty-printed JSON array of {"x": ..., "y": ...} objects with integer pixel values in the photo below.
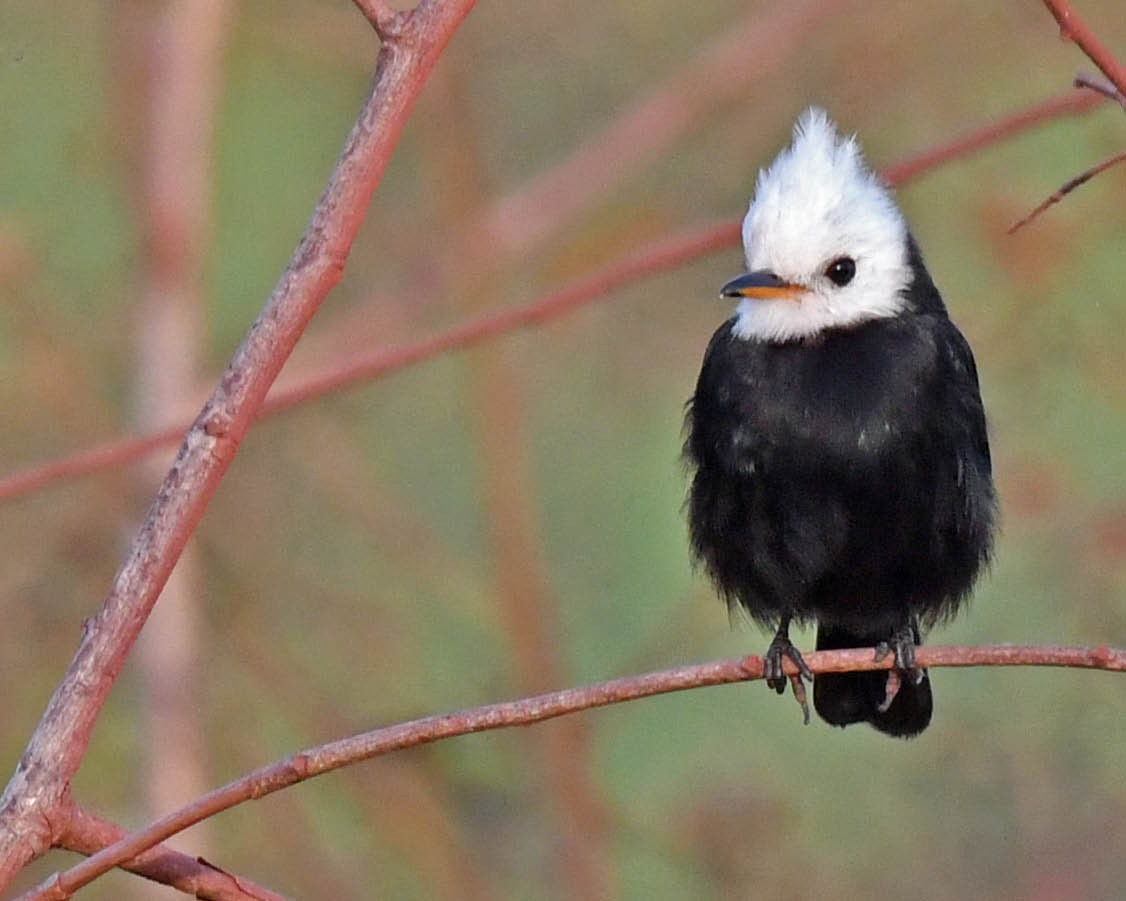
[
  {"x": 902, "y": 643},
  {"x": 776, "y": 677},
  {"x": 781, "y": 647}
]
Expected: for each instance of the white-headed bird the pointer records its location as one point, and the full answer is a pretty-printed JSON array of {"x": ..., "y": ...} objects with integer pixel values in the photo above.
[{"x": 841, "y": 470}]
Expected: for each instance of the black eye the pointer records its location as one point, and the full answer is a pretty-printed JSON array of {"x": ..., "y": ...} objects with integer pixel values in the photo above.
[{"x": 841, "y": 271}]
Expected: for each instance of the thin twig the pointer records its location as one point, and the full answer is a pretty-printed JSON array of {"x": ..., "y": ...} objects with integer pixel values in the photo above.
[
  {"x": 659, "y": 256},
  {"x": 1067, "y": 187},
  {"x": 1074, "y": 29},
  {"x": 40, "y": 784},
  {"x": 325, "y": 758},
  {"x": 1082, "y": 80}
]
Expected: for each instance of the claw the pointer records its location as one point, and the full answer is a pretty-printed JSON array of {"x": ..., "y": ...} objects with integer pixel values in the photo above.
[
  {"x": 799, "y": 695},
  {"x": 902, "y": 643},
  {"x": 891, "y": 689}
]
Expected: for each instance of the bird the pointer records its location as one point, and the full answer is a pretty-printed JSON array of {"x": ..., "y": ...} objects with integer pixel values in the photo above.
[{"x": 836, "y": 442}]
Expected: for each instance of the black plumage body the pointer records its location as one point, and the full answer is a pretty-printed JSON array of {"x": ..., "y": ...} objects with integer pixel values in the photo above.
[{"x": 844, "y": 479}]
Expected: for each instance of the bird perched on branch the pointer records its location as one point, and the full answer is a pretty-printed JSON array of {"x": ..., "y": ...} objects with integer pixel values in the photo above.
[{"x": 837, "y": 436}]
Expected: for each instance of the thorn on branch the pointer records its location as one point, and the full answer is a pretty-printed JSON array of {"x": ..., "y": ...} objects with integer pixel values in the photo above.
[{"x": 1067, "y": 188}]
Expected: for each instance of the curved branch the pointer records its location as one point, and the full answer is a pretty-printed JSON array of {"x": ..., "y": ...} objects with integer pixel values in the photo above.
[
  {"x": 325, "y": 758},
  {"x": 658, "y": 256},
  {"x": 38, "y": 789}
]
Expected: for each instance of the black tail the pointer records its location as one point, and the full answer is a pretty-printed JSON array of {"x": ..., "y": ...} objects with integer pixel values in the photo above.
[{"x": 844, "y": 698}]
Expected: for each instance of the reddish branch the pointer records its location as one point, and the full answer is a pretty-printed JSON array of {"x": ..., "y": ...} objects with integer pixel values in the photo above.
[
  {"x": 757, "y": 46},
  {"x": 39, "y": 789},
  {"x": 325, "y": 758},
  {"x": 383, "y": 17},
  {"x": 87, "y": 833},
  {"x": 1073, "y": 28},
  {"x": 659, "y": 256},
  {"x": 88, "y": 460},
  {"x": 1070, "y": 103}
]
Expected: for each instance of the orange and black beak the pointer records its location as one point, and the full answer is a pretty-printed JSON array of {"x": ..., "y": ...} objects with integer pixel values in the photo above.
[{"x": 761, "y": 285}]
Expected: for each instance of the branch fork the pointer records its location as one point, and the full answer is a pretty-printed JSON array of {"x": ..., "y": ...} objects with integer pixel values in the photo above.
[{"x": 388, "y": 22}]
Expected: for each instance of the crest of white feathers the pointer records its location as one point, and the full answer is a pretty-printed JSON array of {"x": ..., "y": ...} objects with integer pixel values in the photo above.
[{"x": 816, "y": 203}]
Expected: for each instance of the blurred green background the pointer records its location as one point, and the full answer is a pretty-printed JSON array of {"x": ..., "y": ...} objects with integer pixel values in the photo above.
[{"x": 508, "y": 519}]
